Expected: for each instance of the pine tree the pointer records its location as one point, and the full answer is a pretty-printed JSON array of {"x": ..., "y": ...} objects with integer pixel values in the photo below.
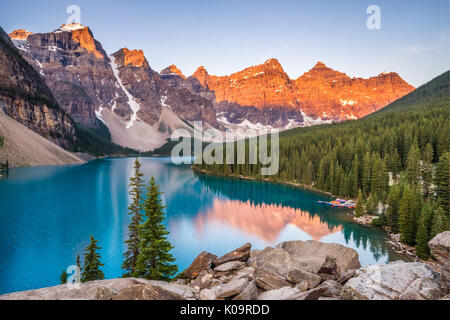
[
  {"x": 427, "y": 170},
  {"x": 393, "y": 203},
  {"x": 135, "y": 210},
  {"x": 422, "y": 239},
  {"x": 359, "y": 211},
  {"x": 92, "y": 263},
  {"x": 154, "y": 259},
  {"x": 405, "y": 219},
  {"x": 63, "y": 277},
  {"x": 438, "y": 223},
  {"x": 413, "y": 167},
  {"x": 366, "y": 174},
  {"x": 355, "y": 176},
  {"x": 442, "y": 182},
  {"x": 372, "y": 204}
]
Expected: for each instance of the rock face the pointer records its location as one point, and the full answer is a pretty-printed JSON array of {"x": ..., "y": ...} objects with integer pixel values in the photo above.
[
  {"x": 25, "y": 97},
  {"x": 396, "y": 280},
  {"x": 139, "y": 108},
  {"x": 313, "y": 254},
  {"x": 319, "y": 95},
  {"x": 24, "y": 147},
  {"x": 240, "y": 254},
  {"x": 440, "y": 249},
  {"x": 20, "y": 34},
  {"x": 75, "y": 68},
  {"x": 202, "y": 262}
]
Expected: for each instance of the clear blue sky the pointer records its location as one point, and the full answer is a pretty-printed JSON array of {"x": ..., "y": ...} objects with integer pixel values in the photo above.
[{"x": 226, "y": 36}]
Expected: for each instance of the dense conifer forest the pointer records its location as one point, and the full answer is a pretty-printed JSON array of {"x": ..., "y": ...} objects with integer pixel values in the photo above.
[{"x": 396, "y": 162}]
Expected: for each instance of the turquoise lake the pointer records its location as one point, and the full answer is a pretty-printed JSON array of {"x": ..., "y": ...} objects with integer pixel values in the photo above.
[{"x": 47, "y": 215}]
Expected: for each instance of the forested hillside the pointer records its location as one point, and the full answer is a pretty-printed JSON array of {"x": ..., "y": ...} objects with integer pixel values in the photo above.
[{"x": 399, "y": 156}]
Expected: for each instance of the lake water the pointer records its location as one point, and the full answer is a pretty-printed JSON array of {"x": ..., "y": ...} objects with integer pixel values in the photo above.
[{"x": 48, "y": 213}]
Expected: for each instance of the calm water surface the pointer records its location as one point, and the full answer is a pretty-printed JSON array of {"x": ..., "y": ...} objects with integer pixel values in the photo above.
[{"x": 47, "y": 215}]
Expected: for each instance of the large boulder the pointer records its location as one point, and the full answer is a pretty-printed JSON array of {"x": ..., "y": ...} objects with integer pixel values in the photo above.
[
  {"x": 232, "y": 288},
  {"x": 332, "y": 288},
  {"x": 312, "y": 254},
  {"x": 396, "y": 280},
  {"x": 146, "y": 292},
  {"x": 229, "y": 266},
  {"x": 268, "y": 280},
  {"x": 289, "y": 293},
  {"x": 275, "y": 260},
  {"x": 249, "y": 293},
  {"x": 299, "y": 276},
  {"x": 184, "y": 291},
  {"x": 94, "y": 290},
  {"x": 240, "y": 254},
  {"x": 440, "y": 249},
  {"x": 202, "y": 262},
  {"x": 285, "y": 293}
]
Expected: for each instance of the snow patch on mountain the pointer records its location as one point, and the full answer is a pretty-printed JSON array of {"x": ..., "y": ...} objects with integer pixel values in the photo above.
[
  {"x": 71, "y": 27},
  {"x": 348, "y": 102},
  {"x": 134, "y": 106},
  {"x": 309, "y": 121}
]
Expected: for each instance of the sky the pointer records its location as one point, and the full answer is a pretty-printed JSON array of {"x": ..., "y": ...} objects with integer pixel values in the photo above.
[{"x": 227, "y": 36}]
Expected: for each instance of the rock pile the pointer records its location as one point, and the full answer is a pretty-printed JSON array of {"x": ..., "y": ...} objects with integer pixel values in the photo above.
[{"x": 294, "y": 270}]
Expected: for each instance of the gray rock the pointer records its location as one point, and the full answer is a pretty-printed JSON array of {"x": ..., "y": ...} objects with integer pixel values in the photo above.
[
  {"x": 175, "y": 289},
  {"x": 232, "y": 288},
  {"x": 146, "y": 292},
  {"x": 345, "y": 276},
  {"x": 312, "y": 294},
  {"x": 298, "y": 276},
  {"x": 332, "y": 288},
  {"x": 267, "y": 280},
  {"x": 289, "y": 293},
  {"x": 303, "y": 285},
  {"x": 249, "y": 293},
  {"x": 202, "y": 281},
  {"x": 104, "y": 293},
  {"x": 202, "y": 262},
  {"x": 422, "y": 289},
  {"x": 240, "y": 254},
  {"x": 329, "y": 266},
  {"x": 247, "y": 272},
  {"x": 229, "y": 266},
  {"x": 207, "y": 294},
  {"x": 285, "y": 293},
  {"x": 275, "y": 260},
  {"x": 440, "y": 249},
  {"x": 83, "y": 291},
  {"x": 311, "y": 254},
  {"x": 396, "y": 280}
]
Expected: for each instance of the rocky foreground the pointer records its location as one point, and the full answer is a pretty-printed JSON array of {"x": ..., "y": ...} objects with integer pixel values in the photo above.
[{"x": 293, "y": 270}]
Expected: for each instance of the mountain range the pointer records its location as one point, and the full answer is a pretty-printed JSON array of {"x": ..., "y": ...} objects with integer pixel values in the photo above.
[{"x": 136, "y": 107}]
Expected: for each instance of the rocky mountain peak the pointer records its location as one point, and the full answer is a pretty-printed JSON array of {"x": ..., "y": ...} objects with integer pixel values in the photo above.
[
  {"x": 273, "y": 63},
  {"x": 71, "y": 27},
  {"x": 321, "y": 72},
  {"x": 173, "y": 70},
  {"x": 83, "y": 36},
  {"x": 200, "y": 71},
  {"x": 202, "y": 76},
  {"x": 320, "y": 65},
  {"x": 127, "y": 57},
  {"x": 20, "y": 34}
]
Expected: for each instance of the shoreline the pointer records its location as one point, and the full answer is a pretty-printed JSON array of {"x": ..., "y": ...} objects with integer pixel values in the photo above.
[{"x": 391, "y": 238}]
